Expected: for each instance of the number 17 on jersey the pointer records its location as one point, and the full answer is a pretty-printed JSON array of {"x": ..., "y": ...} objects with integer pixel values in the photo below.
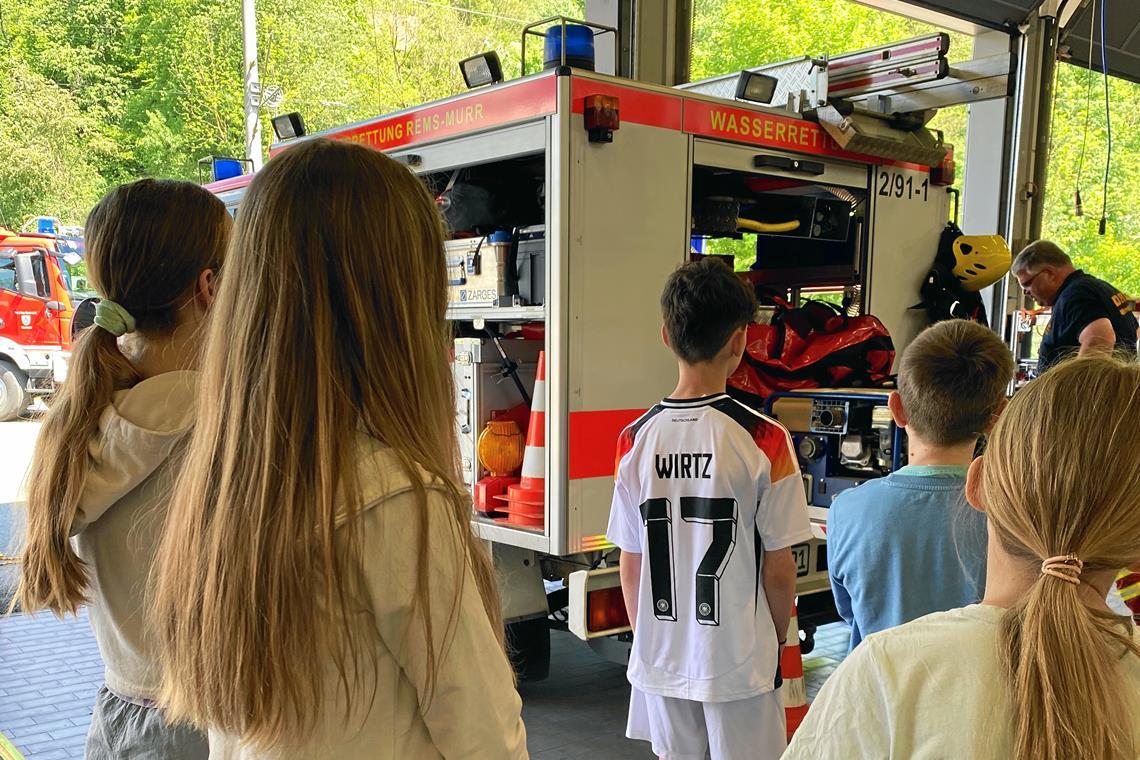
[{"x": 656, "y": 515}]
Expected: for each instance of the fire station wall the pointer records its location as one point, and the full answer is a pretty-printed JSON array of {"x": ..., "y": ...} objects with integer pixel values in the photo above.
[
  {"x": 629, "y": 229},
  {"x": 909, "y": 215}
]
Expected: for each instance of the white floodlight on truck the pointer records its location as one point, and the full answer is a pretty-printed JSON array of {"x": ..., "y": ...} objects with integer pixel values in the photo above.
[
  {"x": 288, "y": 126},
  {"x": 482, "y": 69}
]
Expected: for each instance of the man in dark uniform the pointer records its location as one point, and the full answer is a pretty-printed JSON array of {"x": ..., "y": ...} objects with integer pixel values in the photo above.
[{"x": 1088, "y": 313}]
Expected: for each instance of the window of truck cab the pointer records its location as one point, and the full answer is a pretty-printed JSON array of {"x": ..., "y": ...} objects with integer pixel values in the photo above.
[
  {"x": 9, "y": 276},
  {"x": 8, "y": 271}
]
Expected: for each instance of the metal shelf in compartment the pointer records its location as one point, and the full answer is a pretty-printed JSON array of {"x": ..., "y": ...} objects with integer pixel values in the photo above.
[
  {"x": 498, "y": 313},
  {"x": 514, "y": 535}
]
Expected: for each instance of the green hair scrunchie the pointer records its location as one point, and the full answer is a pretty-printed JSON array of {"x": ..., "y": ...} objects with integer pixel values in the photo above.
[{"x": 113, "y": 318}]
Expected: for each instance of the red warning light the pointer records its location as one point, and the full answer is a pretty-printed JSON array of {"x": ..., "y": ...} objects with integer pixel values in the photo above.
[
  {"x": 943, "y": 174},
  {"x": 601, "y": 117}
]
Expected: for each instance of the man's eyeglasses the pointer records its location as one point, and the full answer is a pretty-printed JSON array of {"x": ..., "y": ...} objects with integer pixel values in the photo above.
[{"x": 1025, "y": 285}]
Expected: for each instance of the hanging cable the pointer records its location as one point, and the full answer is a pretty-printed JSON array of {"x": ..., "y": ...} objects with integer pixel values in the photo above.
[
  {"x": 1077, "y": 208},
  {"x": 1107, "y": 115}
]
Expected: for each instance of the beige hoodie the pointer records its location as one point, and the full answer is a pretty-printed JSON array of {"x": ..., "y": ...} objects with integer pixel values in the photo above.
[
  {"x": 121, "y": 516},
  {"x": 476, "y": 711}
]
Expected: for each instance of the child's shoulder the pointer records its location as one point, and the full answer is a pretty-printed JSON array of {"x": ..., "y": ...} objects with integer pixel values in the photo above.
[
  {"x": 633, "y": 429},
  {"x": 766, "y": 433},
  {"x": 877, "y": 491}
]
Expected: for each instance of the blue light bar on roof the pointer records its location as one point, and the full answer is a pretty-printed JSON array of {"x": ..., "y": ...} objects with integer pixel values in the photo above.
[
  {"x": 226, "y": 168},
  {"x": 46, "y": 225}
]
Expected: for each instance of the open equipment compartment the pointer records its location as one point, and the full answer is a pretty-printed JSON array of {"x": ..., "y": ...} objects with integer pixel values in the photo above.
[
  {"x": 808, "y": 217},
  {"x": 495, "y": 257}
]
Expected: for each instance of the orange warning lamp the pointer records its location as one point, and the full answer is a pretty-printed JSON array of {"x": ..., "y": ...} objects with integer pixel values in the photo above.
[{"x": 500, "y": 449}]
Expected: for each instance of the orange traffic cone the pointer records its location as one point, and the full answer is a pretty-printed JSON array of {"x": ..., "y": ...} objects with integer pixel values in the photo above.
[
  {"x": 526, "y": 502},
  {"x": 792, "y": 669}
]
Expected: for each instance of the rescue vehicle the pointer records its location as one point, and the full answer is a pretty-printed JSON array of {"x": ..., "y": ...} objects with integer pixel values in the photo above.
[
  {"x": 573, "y": 195},
  {"x": 35, "y": 317}
]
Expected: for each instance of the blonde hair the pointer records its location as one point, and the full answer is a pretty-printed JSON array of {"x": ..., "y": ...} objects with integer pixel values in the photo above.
[
  {"x": 329, "y": 322},
  {"x": 147, "y": 242},
  {"x": 1060, "y": 477}
]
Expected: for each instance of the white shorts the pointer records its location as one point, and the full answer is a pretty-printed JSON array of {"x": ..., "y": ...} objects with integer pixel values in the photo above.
[{"x": 681, "y": 729}]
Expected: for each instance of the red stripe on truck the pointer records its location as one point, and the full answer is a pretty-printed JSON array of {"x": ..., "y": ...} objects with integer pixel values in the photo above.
[
  {"x": 467, "y": 114},
  {"x": 637, "y": 106},
  {"x": 722, "y": 122},
  {"x": 594, "y": 439},
  {"x": 725, "y": 122}
]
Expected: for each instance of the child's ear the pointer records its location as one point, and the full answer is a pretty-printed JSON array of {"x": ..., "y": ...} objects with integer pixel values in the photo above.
[
  {"x": 665, "y": 336},
  {"x": 206, "y": 288},
  {"x": 996, "y": 415},
  {"x": 739, "y": 341},
  {"x": 898, "y": 411},
  {"x": 975, "y": 491}
]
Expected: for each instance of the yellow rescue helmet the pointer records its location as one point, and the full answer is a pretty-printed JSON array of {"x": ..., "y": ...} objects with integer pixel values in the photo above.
[{"x": 980, "y": 260}]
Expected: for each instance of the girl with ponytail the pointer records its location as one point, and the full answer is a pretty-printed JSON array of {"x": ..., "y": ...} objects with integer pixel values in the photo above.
[
  {"x": 1041, "y": 669},
  {"x": 106, "y": 456}
]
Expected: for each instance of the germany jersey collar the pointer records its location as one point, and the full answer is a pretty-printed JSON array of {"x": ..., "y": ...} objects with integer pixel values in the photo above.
[{"x": 690, "y": 403}]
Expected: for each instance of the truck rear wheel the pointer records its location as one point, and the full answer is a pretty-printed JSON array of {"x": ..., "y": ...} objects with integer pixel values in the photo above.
[
  {"x": 14, "y": 398},
  {"x": 528, "y": 644}
]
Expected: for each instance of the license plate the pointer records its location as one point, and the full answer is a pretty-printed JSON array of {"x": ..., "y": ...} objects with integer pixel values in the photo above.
[{"x": 802, "y": 554}]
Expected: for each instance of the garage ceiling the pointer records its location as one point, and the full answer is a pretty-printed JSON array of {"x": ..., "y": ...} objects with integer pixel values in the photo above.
[
  {"x": 992, "y": 13},
  {"x": 1122, "y": 26},
  {"x": 1122, "y": 29}
]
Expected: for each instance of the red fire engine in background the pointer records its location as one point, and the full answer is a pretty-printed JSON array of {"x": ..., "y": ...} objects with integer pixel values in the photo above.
[{"x": 36, "y": 310}]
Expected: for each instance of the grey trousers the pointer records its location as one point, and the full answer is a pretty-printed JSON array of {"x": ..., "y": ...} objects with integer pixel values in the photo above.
[{"x": 124, "y": 730}]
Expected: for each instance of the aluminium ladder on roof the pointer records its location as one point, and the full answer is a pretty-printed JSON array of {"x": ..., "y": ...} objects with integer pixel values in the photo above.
[{"x": 899, "y": 77}]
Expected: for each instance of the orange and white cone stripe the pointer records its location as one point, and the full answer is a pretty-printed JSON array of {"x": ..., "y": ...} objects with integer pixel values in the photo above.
[
  {"x": 534, "y": 456},
  {"x": 526, "y": 501},
  {"x": 792, "y": 669}
]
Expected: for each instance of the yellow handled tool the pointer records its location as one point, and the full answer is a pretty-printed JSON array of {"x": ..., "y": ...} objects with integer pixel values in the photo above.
[{"x": 754, "y": 226}]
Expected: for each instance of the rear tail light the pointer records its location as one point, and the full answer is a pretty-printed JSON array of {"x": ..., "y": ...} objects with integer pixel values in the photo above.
[
  {"x": 596, "y": 604},
  {"x": 605, "y": 610}
]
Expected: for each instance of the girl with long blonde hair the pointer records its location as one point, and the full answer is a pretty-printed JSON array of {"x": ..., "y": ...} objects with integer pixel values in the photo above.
[
  {"x": 1041, "y": 669},
  {"x": 320, "y": 593},
  {"x": 107, "y": 453}
]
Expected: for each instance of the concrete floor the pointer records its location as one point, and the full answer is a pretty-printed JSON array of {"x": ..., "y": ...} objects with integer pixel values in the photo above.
[{"x": 50, "y": 671}]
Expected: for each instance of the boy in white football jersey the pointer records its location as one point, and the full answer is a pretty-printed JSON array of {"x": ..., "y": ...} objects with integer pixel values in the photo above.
[{"x": 708, "y": 501}]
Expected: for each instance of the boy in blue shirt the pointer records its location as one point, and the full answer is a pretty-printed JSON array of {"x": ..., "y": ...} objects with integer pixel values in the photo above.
[{"x": 907, "y": 545}]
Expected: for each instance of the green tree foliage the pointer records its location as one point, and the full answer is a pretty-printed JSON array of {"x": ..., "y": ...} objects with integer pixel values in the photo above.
[
  {"x": 99, "y": 92},
  {"x": 1115, "y": 256},
  {"x": 732, "y": 34},
  {"x": 44, "y": 163}
]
